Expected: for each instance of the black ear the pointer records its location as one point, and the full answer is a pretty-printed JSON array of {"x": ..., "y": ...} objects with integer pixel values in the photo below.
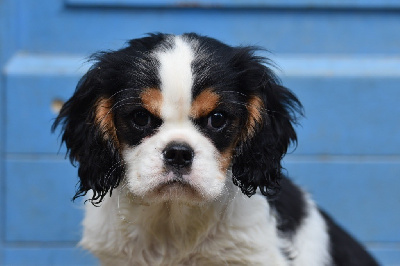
[
  {"x": 89, "y": 134},
  {"x": 257, "y": 160}
]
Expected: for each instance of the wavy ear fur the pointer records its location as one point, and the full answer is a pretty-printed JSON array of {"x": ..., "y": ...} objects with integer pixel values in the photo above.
[
  {"x": 88, "y": 125},
  {"x": 89, "y": 143},
  {"x": 257, "y": 160}
]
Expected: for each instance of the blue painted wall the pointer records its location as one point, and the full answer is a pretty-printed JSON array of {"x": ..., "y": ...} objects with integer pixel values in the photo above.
[{"x": 341, "y": 57}]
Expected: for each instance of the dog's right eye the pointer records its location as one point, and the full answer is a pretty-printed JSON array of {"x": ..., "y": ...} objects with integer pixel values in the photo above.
[
  {"x": 141, "y": 118},
  {"x": 217, "y": 121}
]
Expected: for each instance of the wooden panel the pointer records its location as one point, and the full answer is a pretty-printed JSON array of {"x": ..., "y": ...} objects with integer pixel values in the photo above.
[
  {"x": 33, "y": 84},
  {"x": 41, "y": 255},
  {"x": 8, "y": 32},
  {"x": 348, "y": 115},
  {"x": 279, "y": 30},
  {"x": 38, "y": 201}
]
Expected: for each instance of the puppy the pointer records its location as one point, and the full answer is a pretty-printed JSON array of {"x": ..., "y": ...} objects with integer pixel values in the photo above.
[{"x": 179, "y": 141}]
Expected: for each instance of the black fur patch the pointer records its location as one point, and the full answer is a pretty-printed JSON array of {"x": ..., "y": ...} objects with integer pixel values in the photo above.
[{"x": 290, "y": 206}]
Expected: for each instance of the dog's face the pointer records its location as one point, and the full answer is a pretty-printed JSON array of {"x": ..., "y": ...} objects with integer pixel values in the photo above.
[{"x": 171, "y": 116}]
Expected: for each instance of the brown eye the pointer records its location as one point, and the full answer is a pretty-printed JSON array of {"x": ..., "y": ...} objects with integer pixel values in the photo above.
[
  {"x": 217, "y": 120},
  {"x": 141, "y": 118}
]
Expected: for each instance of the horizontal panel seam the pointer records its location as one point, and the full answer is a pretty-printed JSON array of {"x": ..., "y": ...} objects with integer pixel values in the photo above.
[
  {"x": 343, "y": 158},
  {"x": 44, "y": 244},
  {"x": 233, "y": 4}
]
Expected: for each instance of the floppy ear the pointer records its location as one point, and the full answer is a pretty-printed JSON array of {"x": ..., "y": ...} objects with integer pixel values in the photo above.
[
  {"x": 272, "y": 110},
  {"x": 89, "y": 133}
]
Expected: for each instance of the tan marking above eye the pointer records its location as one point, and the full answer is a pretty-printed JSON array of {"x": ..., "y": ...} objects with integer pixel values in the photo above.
[
  {"x": 204, "y": 104},
  {"x": 255, "y": 108},
  {"x": 152, "y": 100},
  {"x": 104, "y": 117}
]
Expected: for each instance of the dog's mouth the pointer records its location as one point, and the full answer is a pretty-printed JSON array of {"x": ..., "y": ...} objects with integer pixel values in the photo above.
[
  {"x": 177, "y": 183},
  {"x": 177, "y": 188}
]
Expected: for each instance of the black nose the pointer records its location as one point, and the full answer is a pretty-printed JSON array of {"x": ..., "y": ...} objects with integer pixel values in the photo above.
[{"x": 178, "y": 155}]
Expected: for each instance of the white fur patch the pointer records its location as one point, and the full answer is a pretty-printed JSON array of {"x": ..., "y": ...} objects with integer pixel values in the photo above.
[
  {"x": 311, "y": 242},
  {"x": 176, "y": 80}
]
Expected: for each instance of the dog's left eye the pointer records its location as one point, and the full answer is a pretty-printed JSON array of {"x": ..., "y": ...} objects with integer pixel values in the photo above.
[
  {"x": 141, "y": 118},
  {"x": 217, "y": 120}
]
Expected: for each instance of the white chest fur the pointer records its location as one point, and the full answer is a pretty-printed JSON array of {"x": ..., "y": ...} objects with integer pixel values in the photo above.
[{"x": 229, "y": 231}]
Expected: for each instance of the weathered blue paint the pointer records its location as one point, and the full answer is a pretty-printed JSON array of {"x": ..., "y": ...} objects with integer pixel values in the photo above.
[
  {"x": 280, "y": 30},
  {"x": 341, "y": 57},
  {"x": 38, "y": 200},
  {"x": 35, "y": 254},
  {"x": 34, "y": 83},
  {"x": 8, "y": 45},
  {"x": 348, "y": 115}
]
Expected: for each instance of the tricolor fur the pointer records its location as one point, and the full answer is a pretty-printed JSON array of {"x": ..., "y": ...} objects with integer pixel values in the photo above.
[{"x": 179, "y": 141}]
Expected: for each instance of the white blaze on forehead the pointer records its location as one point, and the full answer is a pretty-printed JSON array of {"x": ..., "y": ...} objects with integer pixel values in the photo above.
[{"x": 176, "y": 80}]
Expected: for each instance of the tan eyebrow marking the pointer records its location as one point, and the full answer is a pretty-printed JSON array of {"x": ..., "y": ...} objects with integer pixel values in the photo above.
[
  {"x": 204, "y": 103},
  {"x": 152, "y": 100},
  {"x": 255, "y": 108},
  {"x": 104, "y": 118}
]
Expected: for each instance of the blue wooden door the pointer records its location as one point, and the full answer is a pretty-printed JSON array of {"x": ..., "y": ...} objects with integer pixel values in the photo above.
[{"x": 341, "y": 57}]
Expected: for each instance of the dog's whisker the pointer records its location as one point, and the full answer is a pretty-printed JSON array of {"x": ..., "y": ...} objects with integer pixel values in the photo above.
[
  {"x": 123, "y": 90},
  {"x": 233, "y": 92},
  {"x": 261, "y": 111},
  {"x": 114, "y": 167},
  {"x": 114, "y": 164}
]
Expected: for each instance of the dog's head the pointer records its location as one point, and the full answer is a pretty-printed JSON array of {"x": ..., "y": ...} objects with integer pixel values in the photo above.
[{"x": 170, "y": 116}]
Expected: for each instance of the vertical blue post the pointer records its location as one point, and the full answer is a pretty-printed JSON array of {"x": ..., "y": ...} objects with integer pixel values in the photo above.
[{"x": 8, "y": 30}]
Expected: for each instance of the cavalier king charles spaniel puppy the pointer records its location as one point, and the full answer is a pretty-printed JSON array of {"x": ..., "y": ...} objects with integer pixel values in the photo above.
[{"x": 178, "y": 142}]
